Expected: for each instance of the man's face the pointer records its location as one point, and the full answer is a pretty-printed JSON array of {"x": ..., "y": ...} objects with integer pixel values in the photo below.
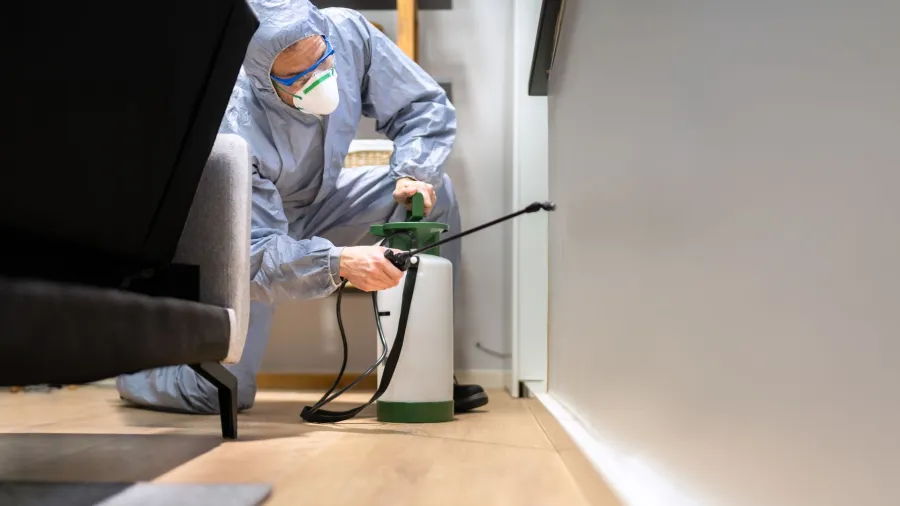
[{"x": 295, "y": 59}]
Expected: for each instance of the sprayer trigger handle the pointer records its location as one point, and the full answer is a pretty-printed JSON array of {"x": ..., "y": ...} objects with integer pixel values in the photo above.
[{"x": 400, "y": 260}]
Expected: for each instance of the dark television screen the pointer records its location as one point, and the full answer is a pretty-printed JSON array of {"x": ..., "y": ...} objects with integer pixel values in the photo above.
[{"x": 111, "y": 110}]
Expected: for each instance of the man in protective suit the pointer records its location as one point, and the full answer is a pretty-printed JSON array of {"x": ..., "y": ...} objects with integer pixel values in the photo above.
[{"x": 308, "y": 76}]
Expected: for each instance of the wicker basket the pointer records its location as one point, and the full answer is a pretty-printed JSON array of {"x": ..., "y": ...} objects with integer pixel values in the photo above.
[
  {"x": 365, "y": 153},
  {"x": 365, "y": 158}
]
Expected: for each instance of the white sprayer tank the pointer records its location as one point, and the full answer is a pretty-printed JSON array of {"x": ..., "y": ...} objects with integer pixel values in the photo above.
[{"x": 421, "y": 390}]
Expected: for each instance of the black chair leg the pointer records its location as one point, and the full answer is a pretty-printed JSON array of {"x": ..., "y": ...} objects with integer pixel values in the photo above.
[{"x": 227, "y": 385}]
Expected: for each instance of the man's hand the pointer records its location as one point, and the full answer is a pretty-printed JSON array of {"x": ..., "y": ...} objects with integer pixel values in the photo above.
[
  {"x": 406, "y": 188},
  {"x": 367, "y": 269}
]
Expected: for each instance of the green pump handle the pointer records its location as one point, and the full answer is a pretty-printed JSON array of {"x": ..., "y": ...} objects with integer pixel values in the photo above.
[{"x": 417, "y": 211}]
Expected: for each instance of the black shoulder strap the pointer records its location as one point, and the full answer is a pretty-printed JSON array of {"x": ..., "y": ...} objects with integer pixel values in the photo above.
[{"x": 317, "y": 415}]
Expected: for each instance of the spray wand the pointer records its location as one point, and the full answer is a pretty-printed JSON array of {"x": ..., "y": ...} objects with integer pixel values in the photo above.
[{"x": 401, "y": 260}]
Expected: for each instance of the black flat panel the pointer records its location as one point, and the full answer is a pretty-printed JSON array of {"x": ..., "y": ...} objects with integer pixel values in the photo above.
[
  {"x": 543, "y": 48},
  {"x": 113, "y": 117},
  {"x": 213, "y": 85}
]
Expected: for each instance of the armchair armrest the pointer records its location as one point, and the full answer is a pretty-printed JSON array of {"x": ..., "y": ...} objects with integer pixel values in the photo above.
[{"x": 216, "y": 235}]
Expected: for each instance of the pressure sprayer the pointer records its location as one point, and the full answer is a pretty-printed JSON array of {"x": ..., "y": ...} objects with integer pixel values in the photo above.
[{"x": 419, "y": 389}]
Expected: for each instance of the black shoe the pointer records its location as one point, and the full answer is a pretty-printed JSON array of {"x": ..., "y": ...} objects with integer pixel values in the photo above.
[{"x": 468, "y": 397}]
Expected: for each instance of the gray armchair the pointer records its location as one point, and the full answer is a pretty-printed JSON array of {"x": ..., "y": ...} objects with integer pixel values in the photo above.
[
  {"x": 124, "y": 218},
  {"x": 64, "y": 333}
]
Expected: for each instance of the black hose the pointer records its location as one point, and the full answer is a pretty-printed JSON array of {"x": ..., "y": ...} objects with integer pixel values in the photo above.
[{"x": 330, "y": 394}]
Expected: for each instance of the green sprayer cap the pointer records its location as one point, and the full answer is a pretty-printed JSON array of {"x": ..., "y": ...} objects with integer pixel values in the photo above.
[{"x": 412, "y": 233}]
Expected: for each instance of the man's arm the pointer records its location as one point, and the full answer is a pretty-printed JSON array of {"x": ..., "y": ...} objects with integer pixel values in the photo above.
[
  {"x": 409, "y": 107},
  {"x": 282, "y": 267}
]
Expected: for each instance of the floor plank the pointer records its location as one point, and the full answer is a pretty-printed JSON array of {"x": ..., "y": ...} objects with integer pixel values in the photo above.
[{"x": 499, "y": 456}]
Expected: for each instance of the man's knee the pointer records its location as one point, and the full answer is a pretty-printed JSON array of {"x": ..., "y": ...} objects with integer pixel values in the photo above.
[
  {"x": 181, "y": 389},
  {"x": 246, "y": 393},
  {"x": 207, "y": 399}
]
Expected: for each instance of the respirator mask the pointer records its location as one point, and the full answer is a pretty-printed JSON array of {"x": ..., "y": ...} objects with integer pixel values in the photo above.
[{"x": 319, "y": 94}]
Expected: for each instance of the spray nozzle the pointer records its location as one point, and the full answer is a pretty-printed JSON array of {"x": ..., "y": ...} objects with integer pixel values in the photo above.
[{"x": 540, "y": 206}]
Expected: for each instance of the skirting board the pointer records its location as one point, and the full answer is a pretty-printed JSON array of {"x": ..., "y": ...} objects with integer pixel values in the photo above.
[
  {"x": 609, "y": 475},
  {"x": 487, "y": 378},
  {"x": 310, "y": 381},
  {"x": 575, "y": 447}
]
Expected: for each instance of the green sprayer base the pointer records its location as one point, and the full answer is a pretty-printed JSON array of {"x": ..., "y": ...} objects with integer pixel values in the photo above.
[{"x": 415, "y": 412}]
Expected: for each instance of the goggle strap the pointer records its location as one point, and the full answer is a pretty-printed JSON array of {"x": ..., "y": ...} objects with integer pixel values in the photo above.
[{"x": 329, "y": 50}]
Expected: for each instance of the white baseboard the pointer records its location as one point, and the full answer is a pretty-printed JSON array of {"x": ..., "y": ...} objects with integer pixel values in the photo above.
[
  {"x": 487, "y": 378},
  {"x": 534, "y": 388},
  {"x": 632, "y": 479}
]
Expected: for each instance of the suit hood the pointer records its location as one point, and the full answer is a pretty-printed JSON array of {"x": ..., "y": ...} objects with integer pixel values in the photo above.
[{"x": 281, "y": 23}]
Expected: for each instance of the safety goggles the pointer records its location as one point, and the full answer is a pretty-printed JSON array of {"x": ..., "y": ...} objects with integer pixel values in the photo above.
[{"x": 291, "y": 80}]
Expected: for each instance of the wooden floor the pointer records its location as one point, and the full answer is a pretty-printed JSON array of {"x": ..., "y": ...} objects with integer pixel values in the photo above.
[{"x": 500, "y": 456}]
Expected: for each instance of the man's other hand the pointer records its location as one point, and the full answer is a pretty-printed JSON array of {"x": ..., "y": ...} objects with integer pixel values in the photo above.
[
  {"x": 406, "y": 188},
  {"x": 367, "y": 269}
]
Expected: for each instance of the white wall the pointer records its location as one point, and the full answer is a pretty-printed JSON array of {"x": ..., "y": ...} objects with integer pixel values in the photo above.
[
  {"x": 725, "y": 261},
  {"x": 470, "y": 45}
]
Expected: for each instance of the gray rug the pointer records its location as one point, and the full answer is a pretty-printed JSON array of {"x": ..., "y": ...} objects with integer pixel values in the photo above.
[
  {"x": 172, "y": 494},
  {"x": 127, "y": 494},
  {"x": 38, "y": 493}
]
